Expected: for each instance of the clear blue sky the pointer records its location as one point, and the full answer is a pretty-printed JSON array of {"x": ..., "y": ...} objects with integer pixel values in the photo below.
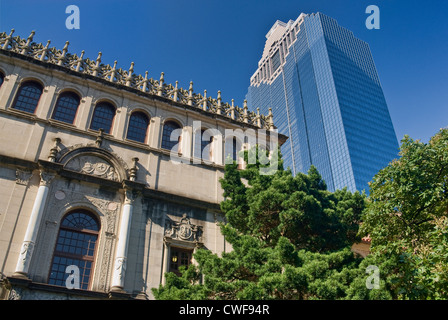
[{"x": 217, "y": 44}]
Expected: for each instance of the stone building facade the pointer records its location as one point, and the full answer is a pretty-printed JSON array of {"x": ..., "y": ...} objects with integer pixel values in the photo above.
[{"x": 92, "y": 204}]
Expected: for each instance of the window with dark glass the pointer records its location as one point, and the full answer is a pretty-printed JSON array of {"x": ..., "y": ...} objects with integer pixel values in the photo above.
[
  {"x": 231, "y": 149},
  {"x": 66, "y": 107},
  {"x": 103, "y": 116},
  {"x": 2, "y": 77},
  {"x": 263, "y": 153},
  {"x": 179, "y": 257},
  {"x": 75, "y": 245},
  {"x": 138, "y": 127},
  {"x": 168, "y": 128},
  {"x": 200, "y": 143},
  {"x": 275, "y": 61},
  {"x": 28, "y": 96}
]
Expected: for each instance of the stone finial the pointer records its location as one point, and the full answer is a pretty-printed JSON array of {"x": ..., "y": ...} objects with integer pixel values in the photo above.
[
  {"x": 64, "y": 52},
  {"x": 8, "y": 39},
  {"x": 112, "y": 72},
  {"x": 133, "y": 170},
  {"x": 219, "y": 109},
  {"x": 44, "y": 51},
  {"x": 258, "y": 118},
  {"x": 65, "y": 49},
  {"x": 99, "y": 138},
  {"x": 54, "y": 150},
  {"x": 97, "y": 64},
  {"x": 130, "y": 72},
  {"x": 176, "y": 90},
  {"x": 78, "y": 65},
  {"x": 204, "y": 101},
  {"x": 98, "y": 59},
  {"x": 190, "y": 94},
  {"x": 232, "y": 110},
  {"x": 28, "y": 43},
  {"x": 245, "y": 111},
  {"x": 161, "y": 84},
  {"x": 31, "y": 36},
  {"x": 271, "y": 120},
  {"x": 145, "y": 82}
]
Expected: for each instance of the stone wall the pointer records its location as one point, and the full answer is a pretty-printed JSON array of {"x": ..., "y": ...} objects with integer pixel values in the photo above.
[{"x": 49, "y": 168}]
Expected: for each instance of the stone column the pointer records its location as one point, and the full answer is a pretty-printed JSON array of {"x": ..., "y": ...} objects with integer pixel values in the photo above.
[
  {"x": 123, "y": 243},
  {"x": 166, "y": 260},
  {"x": 32, "y": 229}
]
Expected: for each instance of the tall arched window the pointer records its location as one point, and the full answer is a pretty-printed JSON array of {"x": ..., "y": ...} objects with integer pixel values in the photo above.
[
  {"x": 232, "y": 147},
  {"x": 201, "y": 141},
  {"x": 2, "y": 77},
  {"x": 66, "y": 107},
  {"x": 28, "y": 96},
  {"x": 138, "y": 127},
  {"x": 168, "y": 128},
  {"x": 75, "y": 246},
  {"x": 103, "y": 117}
]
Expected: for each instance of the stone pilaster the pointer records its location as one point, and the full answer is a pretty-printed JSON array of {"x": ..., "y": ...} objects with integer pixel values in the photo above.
[{"x": 32, "y": 230}]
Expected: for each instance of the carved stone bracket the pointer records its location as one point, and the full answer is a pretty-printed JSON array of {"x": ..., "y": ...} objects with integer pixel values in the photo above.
[
  {"x": 46, "y": 177},
  {"x": 23, "y": 176},
  {"x": 130, "y": 196}
]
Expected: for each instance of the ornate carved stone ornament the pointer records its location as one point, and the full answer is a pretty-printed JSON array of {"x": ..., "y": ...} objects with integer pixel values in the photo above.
[
  {"x": 120, "y": 265},
  {"x": 23, "y": 176},
  {"x": 183, "y": 230},
  {"x": 46, "y": 177},
  {"x": 96, "y": 162},
  {"x": 94, "y": 166},
  {"x": 26, "y": 251}
]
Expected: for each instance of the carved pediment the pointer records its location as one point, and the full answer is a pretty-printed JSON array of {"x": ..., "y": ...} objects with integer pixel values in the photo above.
[
  {"x": 93, "y": 165},
  {"x": 94, "y": 161}
]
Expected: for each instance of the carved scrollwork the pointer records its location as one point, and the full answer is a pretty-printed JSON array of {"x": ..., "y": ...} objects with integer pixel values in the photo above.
[
  {"x": 93, "y": 165},
  {"x": 23, "y": 176},
  {"x": 93, "y": 160},
  {"x": 183, "y": 230}
]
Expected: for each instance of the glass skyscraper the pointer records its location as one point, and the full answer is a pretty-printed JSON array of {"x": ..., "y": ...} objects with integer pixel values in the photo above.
[{"x": 325, "y": 94}]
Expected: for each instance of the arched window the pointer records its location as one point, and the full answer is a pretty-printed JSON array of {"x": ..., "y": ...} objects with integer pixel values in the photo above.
[
  {"x": 75, "y": 246},
  {"x": 168, "y": 128},
  {"x": 103, "y": 117},
  {"x": 201, "y": 141},
  {"x": 232, "y": 147},
  {"x": 28, "y": 96},
  {"x": 66, "y": 107},
  {"x": 2, "y": 77},
  {"x": 138, "y": 127}
]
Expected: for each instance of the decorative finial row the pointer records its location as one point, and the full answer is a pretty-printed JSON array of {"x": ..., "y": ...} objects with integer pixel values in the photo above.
[{"x": 127, "y": 78}]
